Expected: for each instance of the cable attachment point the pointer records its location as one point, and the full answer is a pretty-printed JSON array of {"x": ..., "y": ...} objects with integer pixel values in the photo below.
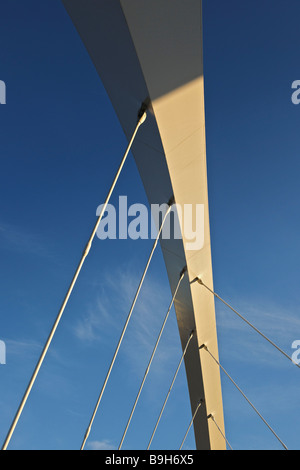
[
  {"x": 171, "y": 201},
  {"x": 142, "y": 114},
  {"x": 203, "y": 346},
  {"x": 183, "y": 271},
  {"x": 200, "y": 402},
  {"x": 199, "y": 280},
  {"x": 142, "y": 119}
]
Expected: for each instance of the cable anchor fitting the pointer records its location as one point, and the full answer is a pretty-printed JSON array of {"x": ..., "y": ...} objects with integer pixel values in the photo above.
[
  {"x": 142, "y": 114},
  {"x": 183, "y": 271}
]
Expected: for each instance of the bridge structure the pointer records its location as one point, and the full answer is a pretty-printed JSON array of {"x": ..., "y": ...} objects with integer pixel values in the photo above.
[{"x": 149, "y": 56}]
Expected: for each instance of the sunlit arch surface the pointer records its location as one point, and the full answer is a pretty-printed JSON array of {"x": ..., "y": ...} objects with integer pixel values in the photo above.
[{"x": 151, "y": 50}]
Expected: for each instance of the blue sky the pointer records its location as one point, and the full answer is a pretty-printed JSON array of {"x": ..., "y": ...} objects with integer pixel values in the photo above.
[{"x": 60, "y": 145}]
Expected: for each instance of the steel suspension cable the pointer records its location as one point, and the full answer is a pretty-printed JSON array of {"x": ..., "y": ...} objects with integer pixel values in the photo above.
[
  {"x": 171, "y": 386},
  {"x": 151, "y": 358},
  {"x": 141, "y": 120},
  {"x": 219, "y": 429},
  {"x": 191, "y": 422},
  {"x": 243, "y": 394},
  {"x": 248, "y": 323},
  {"x": 124, "y": 328}
]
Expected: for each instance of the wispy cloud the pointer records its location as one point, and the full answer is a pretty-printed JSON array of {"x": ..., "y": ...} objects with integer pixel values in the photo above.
[
  {"x": 21, "y": 239},
  {"x": 22, "y": 348},
  {"x": 276, "y": 322},
  {"x": 105, "y": 444},
  {"x": 111, "y": 308},
  {"x": 93, "y": 325}
]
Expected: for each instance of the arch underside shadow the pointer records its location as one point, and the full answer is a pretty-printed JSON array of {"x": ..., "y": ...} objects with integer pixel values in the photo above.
[{"x": 152, "y": 51}]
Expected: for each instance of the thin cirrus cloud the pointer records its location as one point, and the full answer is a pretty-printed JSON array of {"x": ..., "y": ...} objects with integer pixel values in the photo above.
[
  {"x": 277, "y": 323},
  {"x": 101, "y": 445},
  {"x": 22, "y": 240},
  {"x": 110, "y": 309}
]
